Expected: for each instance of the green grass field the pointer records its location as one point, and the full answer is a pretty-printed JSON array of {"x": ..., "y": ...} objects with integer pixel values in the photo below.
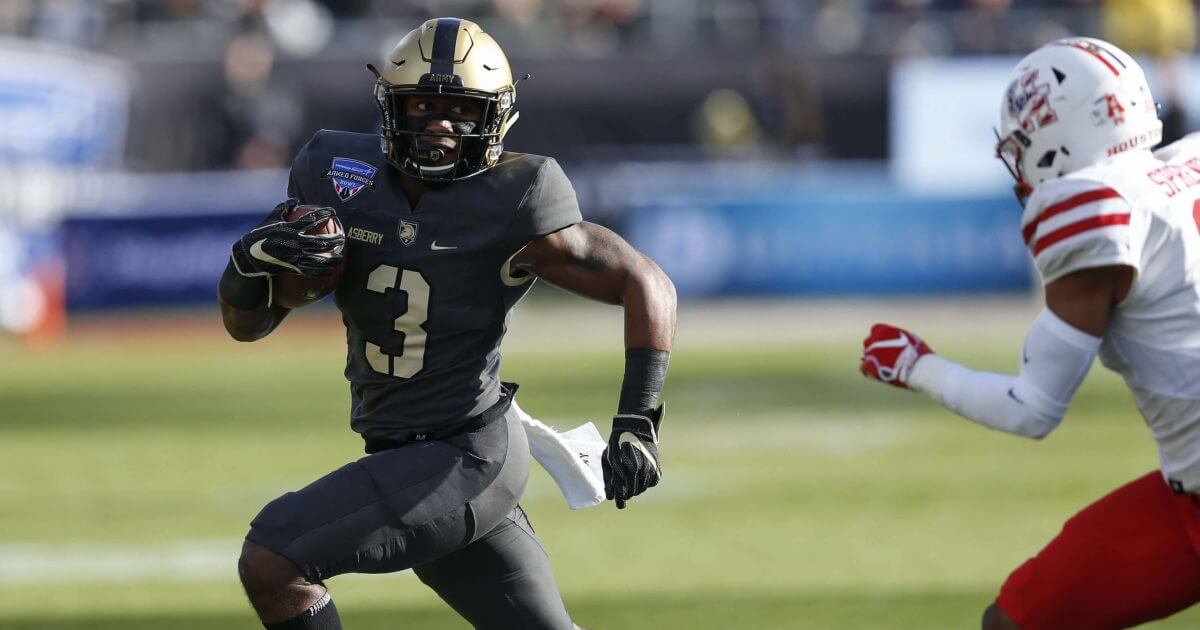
[{"x": 796, "y": 494}]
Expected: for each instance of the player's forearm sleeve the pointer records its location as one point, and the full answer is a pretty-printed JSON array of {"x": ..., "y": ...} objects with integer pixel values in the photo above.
[
  {"x": 645, "y": 373},
  {"x": 241, "y": 292},
  {"x": 1054, "y": 362}
]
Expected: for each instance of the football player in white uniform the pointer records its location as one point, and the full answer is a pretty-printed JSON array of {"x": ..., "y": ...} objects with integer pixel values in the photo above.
[{"x": 1112, "y": 229}]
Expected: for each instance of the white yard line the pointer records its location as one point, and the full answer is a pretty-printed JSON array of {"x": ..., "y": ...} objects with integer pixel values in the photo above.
[
  {"x": 182, "y": 561},
  {"x": 25, "y": 564}
]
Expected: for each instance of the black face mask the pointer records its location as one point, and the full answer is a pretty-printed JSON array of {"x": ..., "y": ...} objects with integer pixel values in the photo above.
[
  {"x": 427, "y": 153},
  {"x": 478, "y": 139}
]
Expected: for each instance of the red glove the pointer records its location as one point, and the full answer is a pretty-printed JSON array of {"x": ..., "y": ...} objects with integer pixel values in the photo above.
[{"x": 889, "y": 353}]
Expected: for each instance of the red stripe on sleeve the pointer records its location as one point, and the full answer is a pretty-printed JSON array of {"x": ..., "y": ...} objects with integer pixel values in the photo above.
[
  {"x": 1069, "y": 203},
  {"x": 1067, "y": 231}
]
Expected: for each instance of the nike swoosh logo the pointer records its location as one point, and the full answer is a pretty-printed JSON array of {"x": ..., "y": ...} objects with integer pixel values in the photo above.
[
  {"x": 632, "y": 440},
  {"x": 435, "y": 247},
  {"x": 1014, "y": 396},
  {"x": 256, "y": 251},
  {"x": 898, "y": 342}
]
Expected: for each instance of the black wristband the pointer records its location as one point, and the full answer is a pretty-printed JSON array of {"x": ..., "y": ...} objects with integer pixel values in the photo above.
[
  {"x": 645, "y": 373},
  {"x": 240, "y": 292}
]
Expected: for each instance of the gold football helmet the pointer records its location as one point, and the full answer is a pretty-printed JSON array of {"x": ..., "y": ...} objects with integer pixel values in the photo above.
[{"x": 445, "y": 57}]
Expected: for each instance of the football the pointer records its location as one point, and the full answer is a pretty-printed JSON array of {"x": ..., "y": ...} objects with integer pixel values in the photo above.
[{"x": 292, "y": 290}]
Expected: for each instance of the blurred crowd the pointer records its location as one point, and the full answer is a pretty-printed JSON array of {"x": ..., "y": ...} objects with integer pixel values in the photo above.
[
  {"x": 251, "y": 114},
  {"x": 832, "y": 26}
]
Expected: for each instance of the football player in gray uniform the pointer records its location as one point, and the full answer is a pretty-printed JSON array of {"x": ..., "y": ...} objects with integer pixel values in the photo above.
[{"x": 444, "y": 233}]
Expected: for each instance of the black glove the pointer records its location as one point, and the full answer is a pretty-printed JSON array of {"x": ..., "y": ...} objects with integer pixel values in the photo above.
[
  {"x": 279, "y": 246},
  {"x": 630, "y": 462}
]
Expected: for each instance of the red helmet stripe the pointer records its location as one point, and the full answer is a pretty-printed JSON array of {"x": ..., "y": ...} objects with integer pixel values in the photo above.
[{"x": 1092, "y": 51}]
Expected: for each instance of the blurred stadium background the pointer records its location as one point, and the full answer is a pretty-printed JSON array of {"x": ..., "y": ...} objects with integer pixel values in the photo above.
[{"x": 801, "y": 168}]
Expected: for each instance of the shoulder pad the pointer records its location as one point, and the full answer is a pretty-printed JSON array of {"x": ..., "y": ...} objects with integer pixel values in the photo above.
[
  {"x": 326, "y": 150},
  {"x": 1189, "y": 144},
  {"x": 1075, "y": 223},
  {"x": 327, "y": 144}
]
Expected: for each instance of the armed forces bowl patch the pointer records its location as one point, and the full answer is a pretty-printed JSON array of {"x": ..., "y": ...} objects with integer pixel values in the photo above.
[{"x": 350, "y": 177}]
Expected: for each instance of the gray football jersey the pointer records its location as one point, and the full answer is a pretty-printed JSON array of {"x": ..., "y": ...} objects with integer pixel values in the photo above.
[{"x": 425, "y": 295}]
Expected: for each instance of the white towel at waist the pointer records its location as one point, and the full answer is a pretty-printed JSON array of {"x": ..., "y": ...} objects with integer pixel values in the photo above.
[{"x": 572, "y": 458}]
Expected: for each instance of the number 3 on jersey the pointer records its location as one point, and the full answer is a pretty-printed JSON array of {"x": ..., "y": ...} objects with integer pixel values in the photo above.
[{"x": 412, "y": 357}]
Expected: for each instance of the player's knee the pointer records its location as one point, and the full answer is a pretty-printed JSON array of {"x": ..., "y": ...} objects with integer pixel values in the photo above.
[
  {"x": 996, "y": 619},
  {"x": 262, "y": 570}
]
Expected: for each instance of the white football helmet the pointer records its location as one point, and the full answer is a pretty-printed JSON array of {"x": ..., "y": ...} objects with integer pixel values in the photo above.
[{"x": 1070, "y": 104}]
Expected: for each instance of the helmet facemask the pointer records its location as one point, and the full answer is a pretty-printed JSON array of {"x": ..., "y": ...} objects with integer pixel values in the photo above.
[
  {"x": 1010, "y": 149},
  {"x": 444, "y": 59},
  {"x": 478, "y": 141}
]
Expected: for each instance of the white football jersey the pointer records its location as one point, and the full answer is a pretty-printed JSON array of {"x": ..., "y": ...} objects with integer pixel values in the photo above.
[{"x": 1140, "y": 211}]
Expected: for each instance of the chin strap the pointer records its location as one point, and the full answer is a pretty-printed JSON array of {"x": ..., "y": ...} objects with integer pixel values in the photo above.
[
  {"x": 508, "y": 124},
  {"x": 424, "y": 152},
  {"x": 411, "y": 162},
  {"x": 433, "y": 170},
  {"x": 424, "y": 156},
  {"x": 1022, "y": 191}
]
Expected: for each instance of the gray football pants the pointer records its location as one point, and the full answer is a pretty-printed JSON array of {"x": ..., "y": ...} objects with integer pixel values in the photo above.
[{"x": 445, "y": 508}]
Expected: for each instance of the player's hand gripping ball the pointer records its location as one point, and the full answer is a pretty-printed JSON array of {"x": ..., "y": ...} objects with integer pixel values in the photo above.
[
  {"x": 889, "y": 354},
  {"x": 294, "y": 290}
]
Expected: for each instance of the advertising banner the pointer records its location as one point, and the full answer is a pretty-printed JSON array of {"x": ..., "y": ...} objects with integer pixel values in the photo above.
[
  {"x": 838, "y": 244},
  {"x": 62, "y": 121}
]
